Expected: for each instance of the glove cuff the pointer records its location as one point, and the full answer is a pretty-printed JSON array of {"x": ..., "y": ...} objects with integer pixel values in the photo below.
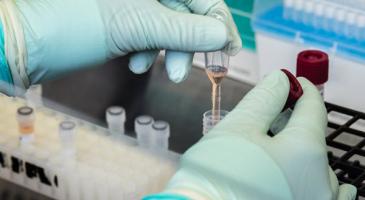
[
  {"x": 6, "y": 80},
  {"x": 15, "y": 50},
  {"x": 166, "y": 196}
]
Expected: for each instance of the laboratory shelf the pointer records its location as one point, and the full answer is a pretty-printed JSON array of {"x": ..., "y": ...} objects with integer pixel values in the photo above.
[{"x": 346, "y": 143}]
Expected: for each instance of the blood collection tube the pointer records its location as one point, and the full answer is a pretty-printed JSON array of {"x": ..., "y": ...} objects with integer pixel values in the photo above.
[
  {"x": 295, "y": 92},
  {"x": 313, "y": 65},
  {"x": 26, "y": 118}
]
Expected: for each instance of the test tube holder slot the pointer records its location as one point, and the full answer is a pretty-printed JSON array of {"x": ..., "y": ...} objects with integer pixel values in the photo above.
[{"x": 346, "y": 146}]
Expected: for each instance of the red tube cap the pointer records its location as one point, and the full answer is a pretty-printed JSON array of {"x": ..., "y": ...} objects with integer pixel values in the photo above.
[
  {"x": 313, "y": 65},
  {"x": 295, "y": 91}
]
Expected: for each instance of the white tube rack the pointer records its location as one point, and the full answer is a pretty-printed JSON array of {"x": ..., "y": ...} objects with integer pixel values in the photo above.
[{"x": 103, "y": 167}]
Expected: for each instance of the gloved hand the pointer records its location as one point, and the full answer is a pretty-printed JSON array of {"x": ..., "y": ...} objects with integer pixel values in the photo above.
[
  {"x": 65, "y": 35},
  {"x": 237, "y": 160}
]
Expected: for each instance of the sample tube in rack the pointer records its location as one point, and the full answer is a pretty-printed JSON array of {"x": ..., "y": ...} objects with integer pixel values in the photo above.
[
  {"x": 26, "y": 119},
  {"x": 216, "y": 64},
  {"x": 115, "y": 117},
  {"x": 161, "y": 134},
  {"x": 67, "y": 131},
  {"x": 143, "y": 128},
  {"x": 209, "y": 121},
  {"x": 34, "y": 96}
]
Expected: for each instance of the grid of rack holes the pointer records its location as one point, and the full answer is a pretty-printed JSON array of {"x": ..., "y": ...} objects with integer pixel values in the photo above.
[{"x": 345, "y": 139}]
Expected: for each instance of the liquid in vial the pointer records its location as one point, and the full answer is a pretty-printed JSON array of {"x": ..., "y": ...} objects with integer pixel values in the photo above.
[
  {"x": 216, "y": 73},
  {"x": 25, "y": 117}
]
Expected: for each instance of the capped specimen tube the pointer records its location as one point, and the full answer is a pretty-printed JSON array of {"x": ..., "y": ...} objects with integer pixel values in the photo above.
[
  {"x": 115, "y": 117},
  {"x": 143, "y": 128},
  {"x": 161, "y": 134},
  {"x": 67, "y": 130},
  {"x": 26, "y": 119}
]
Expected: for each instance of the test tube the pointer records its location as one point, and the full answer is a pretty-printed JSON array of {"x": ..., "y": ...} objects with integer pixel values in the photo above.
[
  {"x": 295, "y": 92},
  {"x": 308, "y": 16},
  {"x": 34, "y": 96},
  {"x": 161, "y": 134},
  {"x": 67, "y": 131},
  {"x": 360, "y": 32},
  {"x": 329, "y": 17},
  {"x": 319, "y": 19},
  {"x": 313, "y": 65},
  {"x": 298, "y": 10},
  {"x": 143, "y": 128},
  {"x": 350, "y": 27},
  {"x": 26, "y": 118},
  {"x": 209, "y": 121},
  {"x": 115, "y": 117},
  {"x": 216, "y": 64},
  {"x": 340, "y": 21},
  {"x": 288, "y": 9}
]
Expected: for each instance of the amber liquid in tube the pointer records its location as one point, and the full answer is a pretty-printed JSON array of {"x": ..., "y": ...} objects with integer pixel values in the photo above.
[
  {"x": 26, "y": 129},
  {"x": 216, "y": 74}
]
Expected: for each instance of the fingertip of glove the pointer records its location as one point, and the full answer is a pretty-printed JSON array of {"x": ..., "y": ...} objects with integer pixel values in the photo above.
[
  {"x": 275, "y": 76},
  {"x": 178, "y": 65},
  {"x": 347, "y": 192},
  {"x": 137, "y": 69}
]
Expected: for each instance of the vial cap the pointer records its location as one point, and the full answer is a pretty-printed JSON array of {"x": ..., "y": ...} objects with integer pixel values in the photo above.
[
  {"x": 313, "y": 65},
  {"x": 295, "y": 91}
]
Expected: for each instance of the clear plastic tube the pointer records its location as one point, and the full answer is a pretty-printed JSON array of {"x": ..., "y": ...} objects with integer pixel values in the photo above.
[
  {"x": 26, "y": 119},
  {"x": 67, "y": 131},
  {"x": 209, "y": 121},
  {"x": 34, "y": 96},
  {"x": 161, "y": 134},
  {"x": 115, "y": 117},
  {"x": 143, "y": 128},
  {"x": 216, "y": 64}
]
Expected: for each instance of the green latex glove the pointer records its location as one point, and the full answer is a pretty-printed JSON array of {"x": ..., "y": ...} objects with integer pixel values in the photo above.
[
  {"x": 237, "y": 160},
  {"x": 66, "y": 35}
]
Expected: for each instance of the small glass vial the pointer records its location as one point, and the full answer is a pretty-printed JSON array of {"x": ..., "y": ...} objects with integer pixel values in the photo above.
[
  {"x": 26, "y": 119},
  {"x": 161, "y": 134},
  {"x": 115, "y": 117},
  {"x": 67, "y": 131},
  {"x": 209, "y": 121},
  {"x": 143, "y": 128}
]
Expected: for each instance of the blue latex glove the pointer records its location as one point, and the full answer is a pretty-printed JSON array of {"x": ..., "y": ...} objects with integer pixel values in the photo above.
[
  {"x": 65, "y": 35},
  {"x": 237, "y": 160}
]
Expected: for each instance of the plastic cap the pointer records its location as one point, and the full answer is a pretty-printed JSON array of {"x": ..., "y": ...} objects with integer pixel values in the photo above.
[
  {"x": 295, "y": 91},
  {"x": 313, "y": 65}
]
